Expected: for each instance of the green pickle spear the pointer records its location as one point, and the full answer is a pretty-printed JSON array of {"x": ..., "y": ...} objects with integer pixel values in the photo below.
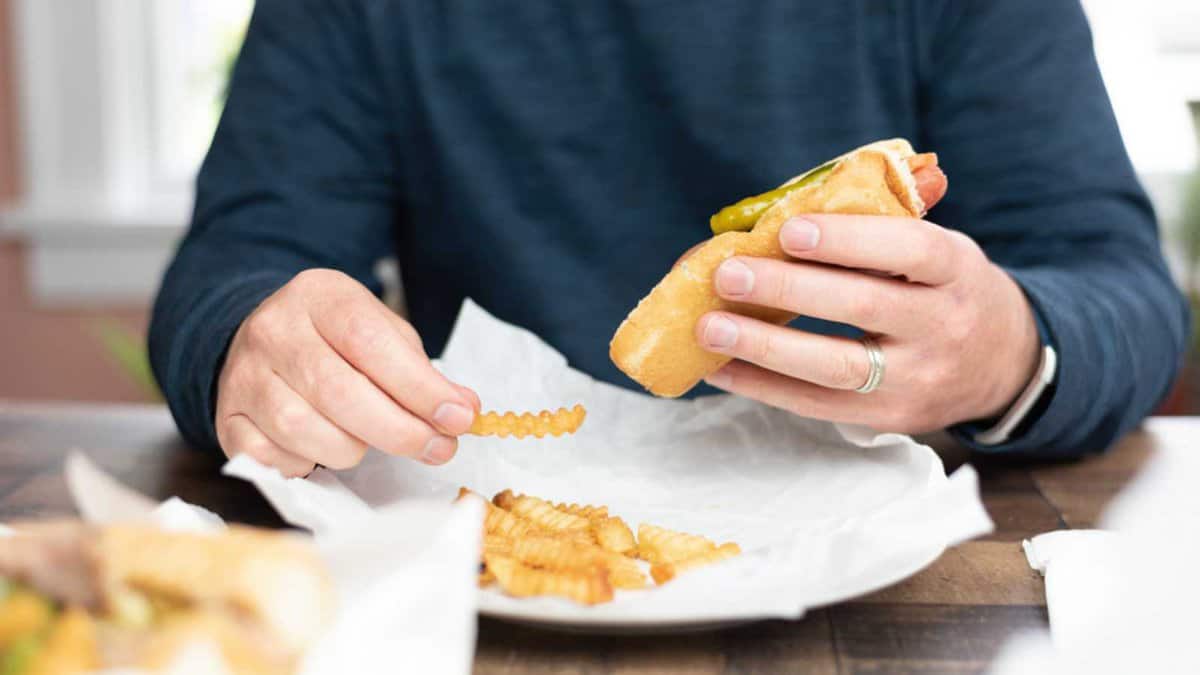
[
  {"x": 19, "y": 655},
  {"x": 742, "y": 216}
]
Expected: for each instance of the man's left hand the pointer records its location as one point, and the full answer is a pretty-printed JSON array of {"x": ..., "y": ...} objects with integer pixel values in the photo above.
[{"x": 957, "y": 333}]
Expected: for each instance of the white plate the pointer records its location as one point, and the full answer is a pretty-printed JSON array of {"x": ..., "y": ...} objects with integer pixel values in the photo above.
[
  {"x": 822, "y": 513},
  {"x": 625, "y": 619}
]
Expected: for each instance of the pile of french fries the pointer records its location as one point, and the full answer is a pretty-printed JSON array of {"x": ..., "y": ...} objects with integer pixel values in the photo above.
[{"x": 532, "y": 547}]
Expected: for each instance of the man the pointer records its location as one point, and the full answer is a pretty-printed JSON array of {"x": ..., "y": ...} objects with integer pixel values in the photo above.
[{"x": 551, "y": 160}]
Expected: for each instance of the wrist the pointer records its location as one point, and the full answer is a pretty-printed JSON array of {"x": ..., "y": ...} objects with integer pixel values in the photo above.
[{"x": 1016, "y": 366}]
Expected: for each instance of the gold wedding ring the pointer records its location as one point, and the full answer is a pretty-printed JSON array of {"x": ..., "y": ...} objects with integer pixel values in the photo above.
[{"x": 878, "y": 365}]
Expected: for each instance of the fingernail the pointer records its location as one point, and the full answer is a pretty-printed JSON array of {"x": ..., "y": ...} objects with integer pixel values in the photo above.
[
  {"x": 720, "y": 379},
  {"x": 720, "y": 333},
  {"x": 799, "y": 235},
  {"x": 438, "y": 450},
  {"x": 453, "y": 418},
  {"x": 734, "y": 278}
]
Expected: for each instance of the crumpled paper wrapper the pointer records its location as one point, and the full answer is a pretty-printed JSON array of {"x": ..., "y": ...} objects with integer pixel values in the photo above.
[
  {"x": 1122, "y": 599},
  {"x": 822, "y": 513},
  {"x": 404, "y": 575}
]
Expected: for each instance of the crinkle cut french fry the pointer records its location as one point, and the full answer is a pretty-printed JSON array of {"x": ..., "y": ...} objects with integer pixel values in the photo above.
[
  {"x": 664, "y": 572},
  {"x": 592, "y": 513},
  {"x": 495, "y": 543},
  {"x": 557, "y": 555},
  {"x": 612, "y": 534},
  {"x": 562, "y": 555},
  {"x": 624, "y": 572},
  {"x": 539, "y": 512},
  {"x": 498, "y": 521},
  {"x": 589, "y": 588},
  {"x": 660, "y": 545},
  {"x": 562, "y": 421}
]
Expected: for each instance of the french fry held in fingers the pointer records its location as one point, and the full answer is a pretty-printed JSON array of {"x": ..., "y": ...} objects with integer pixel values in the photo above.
[
  {"x": 664, "y": 572},
  {"x": 557, "y": 423},
  {"x": 519, "y": 580}
]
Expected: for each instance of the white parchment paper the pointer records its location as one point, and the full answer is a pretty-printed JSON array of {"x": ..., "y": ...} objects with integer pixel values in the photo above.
[{"x": 820, "y": 517}]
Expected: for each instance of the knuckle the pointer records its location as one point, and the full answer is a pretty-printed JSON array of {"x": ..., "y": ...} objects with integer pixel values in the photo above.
[
  {"x": 255, "y": 445},
  {"x": 330, "y": 385},
  {"x": 761, "y": 344},
  {"x": 962, "y": 248},
  {"x": 785, "y": 289},
  {"x": 299, "y": 470},
  {"x": 411, "y": 335},
  {"x": 932, "y": 253},
  {"x": 225, "y": 435},
  {"x": 234, "y": 387},
  {"x": 958, "y": 329},
  {"x": 899, "y": 417},
  {"x": 362, "y": 335},
  {"x": 865, "y": 307},
  {"x": 845, "y": 371},
  {"x": 316, "y": 278},
  {"x": 259, "y": 330},
  {"x": 346, "y": 458},
  {"x": 289, "y": 417},
  {"x": 406, "y": 435},
  {"x": 928, "y": 378}
]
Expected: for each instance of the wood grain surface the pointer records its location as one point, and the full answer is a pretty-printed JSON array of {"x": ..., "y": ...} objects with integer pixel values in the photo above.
[{"x": 951, "y": 618}]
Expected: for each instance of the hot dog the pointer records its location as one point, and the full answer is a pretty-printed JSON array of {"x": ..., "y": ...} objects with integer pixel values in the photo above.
[
  {"x": 131, "y": 596},
  {"x": 656, "y": 345},
  {"x": 931, "y": 182}
]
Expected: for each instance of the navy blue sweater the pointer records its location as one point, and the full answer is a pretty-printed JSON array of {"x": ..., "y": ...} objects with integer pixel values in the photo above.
[{"x": 551, "y": 160}]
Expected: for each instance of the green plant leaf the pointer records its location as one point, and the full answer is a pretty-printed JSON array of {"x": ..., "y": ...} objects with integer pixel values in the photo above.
[{"x": 128, "y": 352}]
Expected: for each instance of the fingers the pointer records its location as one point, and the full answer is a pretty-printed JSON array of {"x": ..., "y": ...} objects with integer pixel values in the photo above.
[
  {"x": 353, "y": 402},
  {"x": 795, "y": 396},
  {"x": 918, "y": 250},
  {"x": 869, "y": 302},
  {"x": 292, "y": 423},
  {"x": 471, "y": 396},
  {"x": 357, "y": 330},
  {"x": 239, "y": 435},
  {"x": 834, "y": 362}
]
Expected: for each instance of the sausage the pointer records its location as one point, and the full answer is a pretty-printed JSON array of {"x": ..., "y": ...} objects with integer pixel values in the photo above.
[{"x": 931, "y": 182}]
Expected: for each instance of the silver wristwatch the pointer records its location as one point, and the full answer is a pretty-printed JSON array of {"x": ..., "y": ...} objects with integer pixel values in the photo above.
[{"x": 1002, "y": 430}]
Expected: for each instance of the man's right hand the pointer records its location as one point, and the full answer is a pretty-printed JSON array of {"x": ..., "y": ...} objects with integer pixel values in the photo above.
[{"x": 322, "y": 370}]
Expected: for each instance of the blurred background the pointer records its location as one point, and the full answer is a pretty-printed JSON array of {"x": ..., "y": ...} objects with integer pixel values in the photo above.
[{"x": 107, "y": 108}]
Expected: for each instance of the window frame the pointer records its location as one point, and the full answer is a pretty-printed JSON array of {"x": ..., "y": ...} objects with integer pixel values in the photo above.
[{"x": 100, "y": 218}]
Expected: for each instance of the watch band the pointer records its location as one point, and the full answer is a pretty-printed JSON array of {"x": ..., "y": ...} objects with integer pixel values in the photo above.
[{"x": 1003, "y": 429}]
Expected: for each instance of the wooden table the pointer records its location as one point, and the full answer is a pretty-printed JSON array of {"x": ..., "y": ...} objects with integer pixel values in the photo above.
[{"x": 951, "y": 618}]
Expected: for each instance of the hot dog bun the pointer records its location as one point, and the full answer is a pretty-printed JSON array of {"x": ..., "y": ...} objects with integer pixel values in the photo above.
[
  {"x": 656, "y": 344},
  {"x": 259, "y": 597}
]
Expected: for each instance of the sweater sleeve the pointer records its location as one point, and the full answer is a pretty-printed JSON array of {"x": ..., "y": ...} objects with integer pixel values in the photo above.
[
  {"x": 1040, "y": 178},
  {"x": 300, "y": 175}
]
